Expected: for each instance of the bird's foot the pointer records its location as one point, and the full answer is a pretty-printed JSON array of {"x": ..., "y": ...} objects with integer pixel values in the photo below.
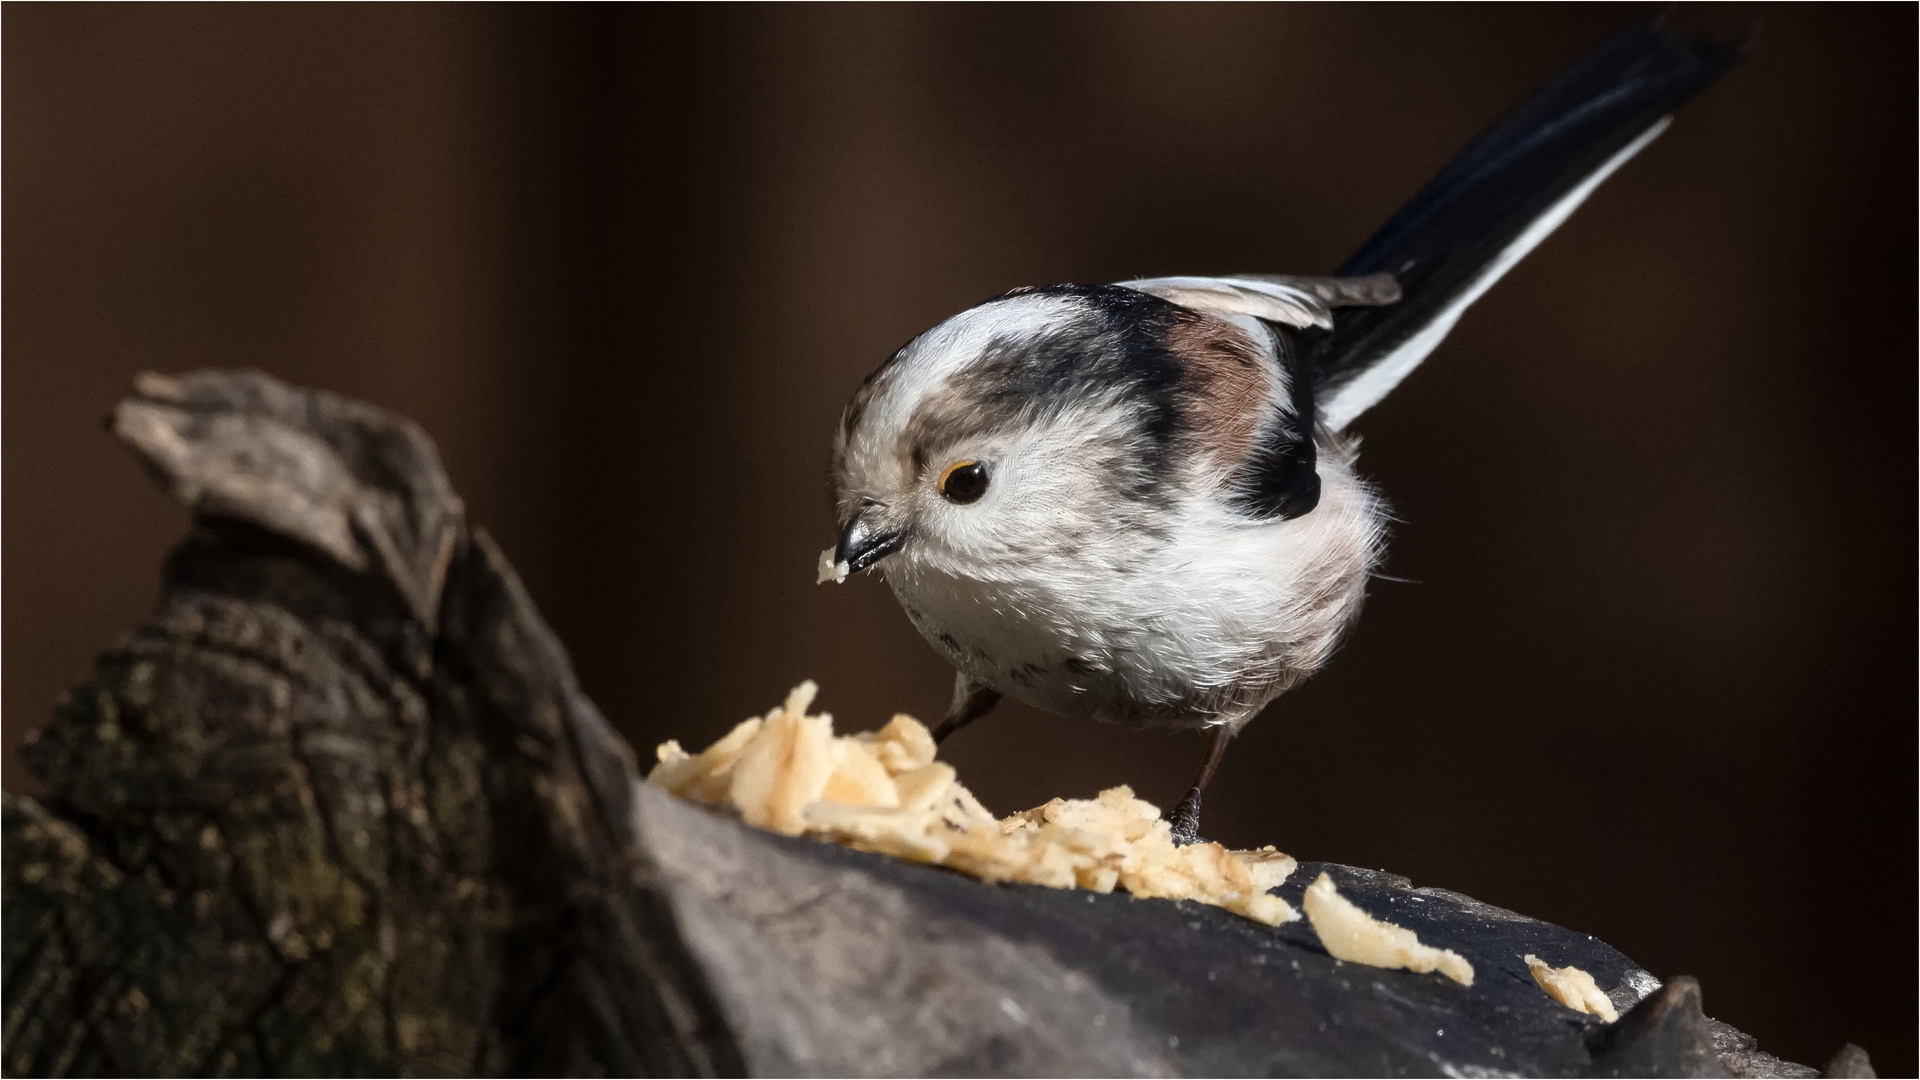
[{"x": 1186, "y": 820}]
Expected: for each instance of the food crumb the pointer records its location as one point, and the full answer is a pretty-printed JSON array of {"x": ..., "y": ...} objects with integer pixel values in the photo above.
[
  {"x": 1573, "y": 988},
  {"x": 830, "y": 570},
  {"x": 1353, "y": 935},
  {"x": 884, "y": 791}
]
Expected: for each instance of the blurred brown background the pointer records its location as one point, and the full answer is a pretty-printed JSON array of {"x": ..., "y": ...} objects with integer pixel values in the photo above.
[{"x": 1656, "y": 679}]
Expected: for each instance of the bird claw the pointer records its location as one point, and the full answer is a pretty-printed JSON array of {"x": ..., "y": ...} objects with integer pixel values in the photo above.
[{"x": 1186, "y": 820}]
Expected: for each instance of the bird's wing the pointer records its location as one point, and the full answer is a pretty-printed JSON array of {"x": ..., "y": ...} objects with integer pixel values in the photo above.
[
  {"x": 1495, "y": 201},
  {"x": 1279, "y": 298},
  {"x": 1273, "y": 299},
  {"x": 1281, "y": 476}
]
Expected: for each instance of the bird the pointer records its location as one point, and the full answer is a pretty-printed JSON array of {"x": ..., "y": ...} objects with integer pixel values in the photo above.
[{"x": 1138, "y": 502}]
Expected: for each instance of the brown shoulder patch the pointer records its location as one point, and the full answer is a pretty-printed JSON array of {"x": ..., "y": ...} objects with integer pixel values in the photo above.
[{"x": 1228, "y": 385}]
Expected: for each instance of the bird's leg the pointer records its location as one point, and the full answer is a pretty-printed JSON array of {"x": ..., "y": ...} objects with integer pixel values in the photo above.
[
  {"x": 971, "y": 701},
  {"x": 1186, "y": 816}
]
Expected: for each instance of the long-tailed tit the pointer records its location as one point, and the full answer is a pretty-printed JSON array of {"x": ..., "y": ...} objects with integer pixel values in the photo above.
[{"x": 1137, "y": 502}]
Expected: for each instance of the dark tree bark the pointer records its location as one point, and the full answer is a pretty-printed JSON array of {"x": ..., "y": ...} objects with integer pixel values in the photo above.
[{"x": 339, "y": 807}]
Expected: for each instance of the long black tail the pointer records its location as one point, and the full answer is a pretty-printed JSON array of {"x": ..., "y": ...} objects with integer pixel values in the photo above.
[{"x": 1497, "y": 199}]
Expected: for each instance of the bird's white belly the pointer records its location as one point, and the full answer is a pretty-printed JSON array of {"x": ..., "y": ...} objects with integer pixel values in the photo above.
[
  {"x": 1201, "y": 627},
  {"x": 1155, "y": 646}
]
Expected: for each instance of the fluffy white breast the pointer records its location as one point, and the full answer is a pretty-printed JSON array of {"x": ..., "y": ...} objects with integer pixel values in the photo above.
[{"x": 1202, "y": 622}]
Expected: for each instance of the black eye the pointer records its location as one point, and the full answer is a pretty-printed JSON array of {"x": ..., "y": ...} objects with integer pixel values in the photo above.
[{"x": 964, "y": 481}]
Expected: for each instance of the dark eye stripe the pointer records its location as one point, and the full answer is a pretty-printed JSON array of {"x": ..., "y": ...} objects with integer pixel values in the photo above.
[{"x": 964, "y": 482}]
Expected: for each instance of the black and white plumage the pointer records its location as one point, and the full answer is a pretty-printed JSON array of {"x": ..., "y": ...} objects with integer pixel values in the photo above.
[{"x": 1135, "y": 502}]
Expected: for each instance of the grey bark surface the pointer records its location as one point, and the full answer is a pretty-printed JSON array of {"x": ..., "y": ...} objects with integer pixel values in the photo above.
[{"x": 339, "y": 807}]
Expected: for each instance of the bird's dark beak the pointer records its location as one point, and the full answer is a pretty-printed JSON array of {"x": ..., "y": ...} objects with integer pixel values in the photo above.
[{"x": 861, "y": 545}]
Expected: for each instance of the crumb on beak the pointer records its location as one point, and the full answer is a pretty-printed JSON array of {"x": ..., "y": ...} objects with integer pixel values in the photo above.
[{"x": 835, "y": 572}]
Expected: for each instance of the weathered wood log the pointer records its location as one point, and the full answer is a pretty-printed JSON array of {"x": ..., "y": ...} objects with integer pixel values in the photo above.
[{"x": 339, "y": 807}]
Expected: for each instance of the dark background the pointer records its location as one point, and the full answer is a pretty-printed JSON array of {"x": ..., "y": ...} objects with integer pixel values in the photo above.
[{"x": 1656, "y": 679}]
